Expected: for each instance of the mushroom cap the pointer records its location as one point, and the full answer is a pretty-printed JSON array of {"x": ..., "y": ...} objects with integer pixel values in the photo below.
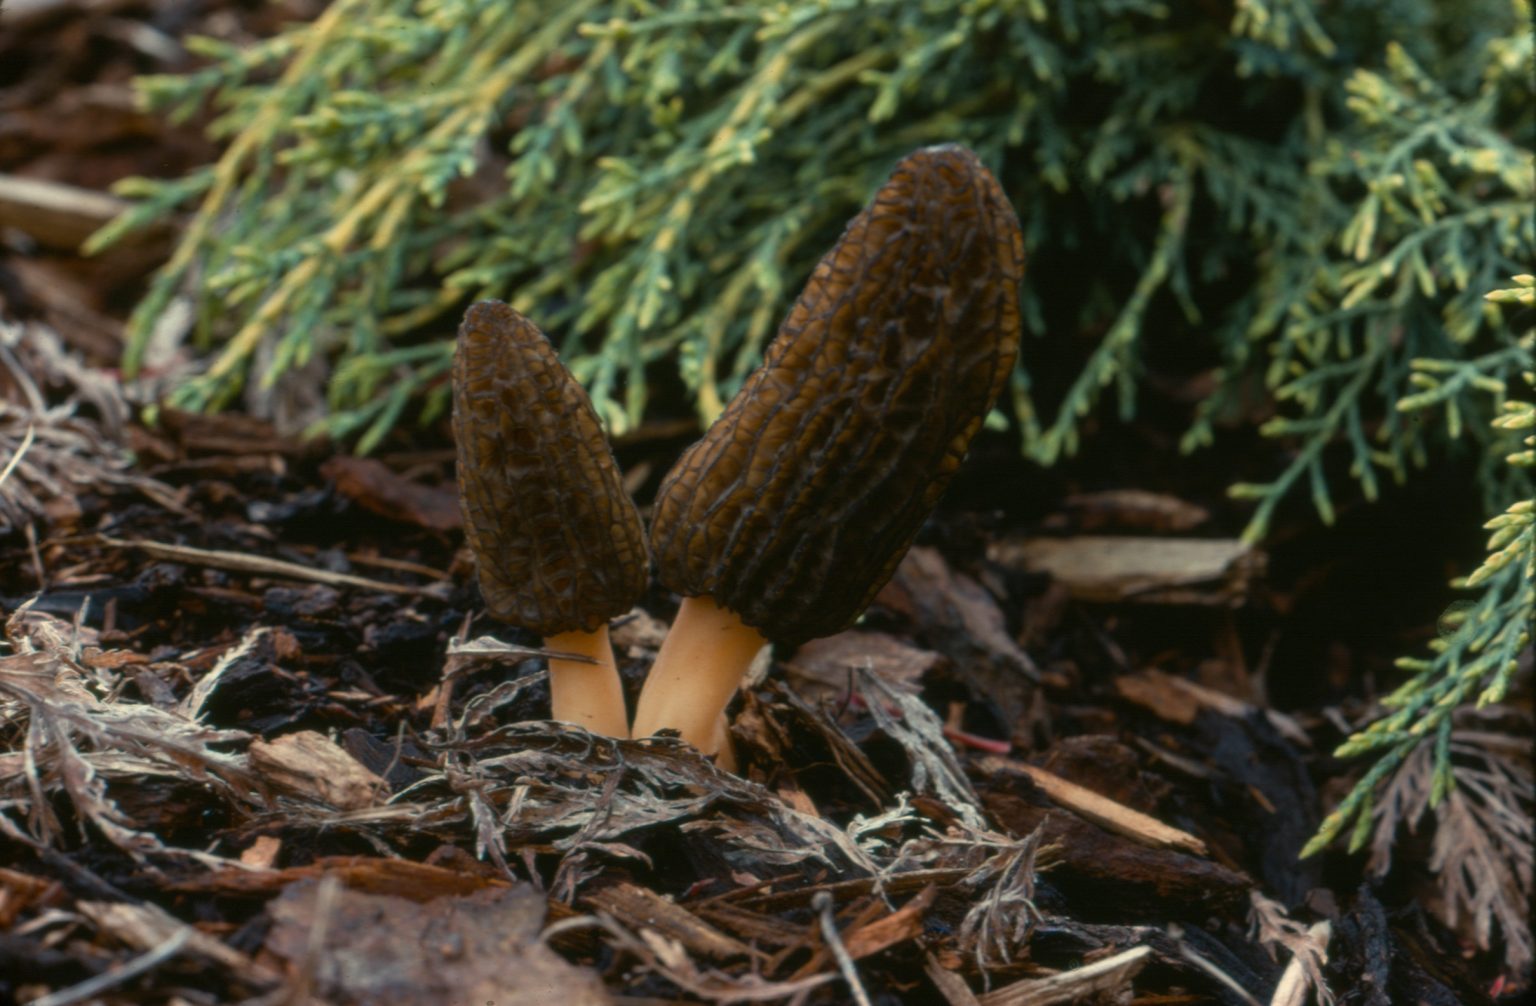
[
  {"x": 557, "y": 541},
  {"x": 798, "y": 503}
]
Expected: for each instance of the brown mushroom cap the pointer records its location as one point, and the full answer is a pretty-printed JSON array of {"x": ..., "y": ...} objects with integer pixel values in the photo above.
[
  {"x": 798, "y": 503},
  {"x": 557, "y": 540}
]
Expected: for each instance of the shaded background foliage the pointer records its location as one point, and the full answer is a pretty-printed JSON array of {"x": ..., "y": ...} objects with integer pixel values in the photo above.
[{"x": 1304, "y": 204}]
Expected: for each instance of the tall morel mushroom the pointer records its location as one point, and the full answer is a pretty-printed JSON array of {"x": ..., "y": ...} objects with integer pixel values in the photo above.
[
  {"x": 557, "y": 541},
  {"x": 794, "y": 509}
]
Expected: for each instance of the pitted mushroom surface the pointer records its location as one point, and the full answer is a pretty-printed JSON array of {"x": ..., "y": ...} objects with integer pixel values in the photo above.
[
  {"x": 794, "y": 509},
  {"x": 558, "y": 544}
]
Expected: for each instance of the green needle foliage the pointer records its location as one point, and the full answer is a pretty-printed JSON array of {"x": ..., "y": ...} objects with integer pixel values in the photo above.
[
  {"x": 1314, "y": 202},
  {"x": 1388, "y": 306},
  {"x": 1316, "y": 197},
  {"x": 1476, "y": 659}
]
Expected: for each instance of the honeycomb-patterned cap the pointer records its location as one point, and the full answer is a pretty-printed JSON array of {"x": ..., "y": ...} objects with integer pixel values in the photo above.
[
  {"x": 798, "y": 503},
  {"x": 557, "y": 541}
]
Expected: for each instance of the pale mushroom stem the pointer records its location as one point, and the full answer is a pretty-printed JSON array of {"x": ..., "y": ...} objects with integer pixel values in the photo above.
[
  {"x": 701, "y": 662},
  {"x": 589, "y": 695},
  {"x": 725, "y": 751}
]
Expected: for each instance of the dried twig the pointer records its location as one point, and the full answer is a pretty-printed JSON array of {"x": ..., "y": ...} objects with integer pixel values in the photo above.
[
  {"x": 1101, "y": 810},
  {"x": 256, "y": 565},
  {"x": 1211, "y": 968},
  {"x": 1108, "y": 978},
  {"x": 19, "y": 453},
  {"x": 822, "y": 903}
]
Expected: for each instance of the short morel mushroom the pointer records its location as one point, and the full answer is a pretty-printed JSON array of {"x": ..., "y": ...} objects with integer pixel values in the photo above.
[
  {"x": 794, "y": 509},
  {"x": 557, "y": 541}
]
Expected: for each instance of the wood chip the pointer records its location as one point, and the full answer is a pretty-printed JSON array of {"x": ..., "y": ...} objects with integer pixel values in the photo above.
[
  {"x": 639, "y": 907},
  {"x": 262, "y": 853},
  {"x": 375, "y": 486},
  {"x": 950, "y": 985},
  {"x": 762, "y": 930},
  {"x": 1143, "y": 570},
  {"x": 54, "y": 214},
  {"x": 899, "y": 926},
  {"x": 419, "y": 882},
  {"x": 21, "y": 893},
  {"x": 1179, "y": 700},
  {"x": 1101, "y": 810},
  {"x": 1134, "y": 508},
  {"x": 1109, "y": 979},
  {"x": 895, "y": 884},
  {"x": 146, "y": 927},
  {"x": 1153, "y": 691},
  {"x": 310, "y": 765}
]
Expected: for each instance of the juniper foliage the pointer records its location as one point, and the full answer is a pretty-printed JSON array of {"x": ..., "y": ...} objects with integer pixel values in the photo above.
[
  {"x": 1317, "y": 197},
  {"x": 654, "y": 184},
  {"x": 1476, "y": 659}
]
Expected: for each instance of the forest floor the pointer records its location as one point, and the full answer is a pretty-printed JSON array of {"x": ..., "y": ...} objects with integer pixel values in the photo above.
[{"x": 259, "y": 743}]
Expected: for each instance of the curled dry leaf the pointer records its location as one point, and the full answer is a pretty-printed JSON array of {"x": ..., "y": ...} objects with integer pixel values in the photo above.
[{"x": 824, "y": 668}]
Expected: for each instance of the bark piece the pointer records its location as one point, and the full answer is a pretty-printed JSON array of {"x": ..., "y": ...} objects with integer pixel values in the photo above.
[
  {"x": 368, "y": 949},
  {"x": 641, "y": 907},
  {"x": 375, "y": 486},
  {"x": 1145, "y": 570},
  {"x": 1108, "y": 980},
  {"x": 1104, "y": 875},
  {"x": 309, "y": 765},
  {"x": 1101, "y": 810},
  {"x": 55, "y": 214},
  {"x": 954, "y": 614}
]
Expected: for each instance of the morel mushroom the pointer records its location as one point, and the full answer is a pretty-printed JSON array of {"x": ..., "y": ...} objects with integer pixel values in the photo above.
[
  {"x": 557, "y": 541},
  {"x": 792, "y": 512}
]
